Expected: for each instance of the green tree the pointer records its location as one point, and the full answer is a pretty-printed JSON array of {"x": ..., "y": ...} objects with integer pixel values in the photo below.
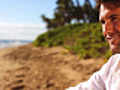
[
  {"x": 90, "y": 14},
  {"x": 78, "y": 12},
  {"x": 65, "y": 9},
  {"x": 47, "y": 20},
  {"x": 52, "y": 23}
]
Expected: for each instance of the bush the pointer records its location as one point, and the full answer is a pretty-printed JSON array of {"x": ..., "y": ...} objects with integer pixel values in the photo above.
[{"x": 83, "y": 39}]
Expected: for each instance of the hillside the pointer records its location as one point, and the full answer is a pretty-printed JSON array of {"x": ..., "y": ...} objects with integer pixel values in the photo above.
[{"x": 83, "y": 39}]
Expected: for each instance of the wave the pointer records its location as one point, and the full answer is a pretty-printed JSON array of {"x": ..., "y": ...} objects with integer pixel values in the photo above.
[{"x": 12, "y": 43}]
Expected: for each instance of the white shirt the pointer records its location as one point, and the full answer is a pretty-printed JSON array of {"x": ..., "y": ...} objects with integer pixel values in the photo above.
[{"x": 108, "y": 78}]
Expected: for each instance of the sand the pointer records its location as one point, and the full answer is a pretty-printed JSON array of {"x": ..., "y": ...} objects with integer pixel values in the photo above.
[{"x": 38, "y": 68}]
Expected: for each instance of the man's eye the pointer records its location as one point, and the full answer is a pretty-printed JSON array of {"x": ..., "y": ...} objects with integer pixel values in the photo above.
[
  {"x": 114, "y": 18},
  {"x": 102, "y": 22}
]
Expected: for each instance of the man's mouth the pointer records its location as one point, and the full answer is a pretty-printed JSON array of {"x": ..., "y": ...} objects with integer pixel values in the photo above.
[{"x": 112, "y": 38}]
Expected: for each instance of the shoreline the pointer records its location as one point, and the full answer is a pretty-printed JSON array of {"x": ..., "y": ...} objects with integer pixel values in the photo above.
[{"x": 13, "y": 43}]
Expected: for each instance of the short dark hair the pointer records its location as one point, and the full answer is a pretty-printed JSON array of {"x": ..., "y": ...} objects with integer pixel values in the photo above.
[{"x": 99, "y": 2}]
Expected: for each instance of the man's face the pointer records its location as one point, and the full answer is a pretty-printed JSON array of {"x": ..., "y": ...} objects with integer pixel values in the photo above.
[{"x": 110, "y": 19}]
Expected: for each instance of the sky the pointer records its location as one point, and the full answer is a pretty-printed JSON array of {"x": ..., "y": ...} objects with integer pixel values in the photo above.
[{"x": 21, "y": 19}]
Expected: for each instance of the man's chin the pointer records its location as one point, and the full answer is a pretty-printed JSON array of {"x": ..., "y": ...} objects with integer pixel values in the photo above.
[{"x": 115, "y": 49}]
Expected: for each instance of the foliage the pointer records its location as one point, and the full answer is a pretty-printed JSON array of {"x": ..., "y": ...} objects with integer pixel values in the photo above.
[
  {"x": 83, "y": 39},
  {"x": 90, "y": 14},
  {"x": 66, "y": 12}
]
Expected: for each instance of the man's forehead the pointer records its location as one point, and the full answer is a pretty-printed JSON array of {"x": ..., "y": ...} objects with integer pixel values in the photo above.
[
  {"x": 109, "y": 6},
  {"x": 108, "y": 10},
  {"x": 104, "y": 10}
]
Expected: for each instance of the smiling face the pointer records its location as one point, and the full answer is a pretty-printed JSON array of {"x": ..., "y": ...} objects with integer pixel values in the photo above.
[{"x": 110, "y": 19}]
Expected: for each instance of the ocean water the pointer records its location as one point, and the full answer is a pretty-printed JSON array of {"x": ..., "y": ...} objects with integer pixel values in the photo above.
[{"x": 12, "y": 43}]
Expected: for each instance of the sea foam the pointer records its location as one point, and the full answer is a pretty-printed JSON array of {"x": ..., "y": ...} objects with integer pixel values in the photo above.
[{"x": 12, "y": 43}]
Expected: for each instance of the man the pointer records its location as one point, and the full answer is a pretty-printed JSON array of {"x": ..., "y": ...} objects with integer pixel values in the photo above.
[{"x": 108, "y": 78}]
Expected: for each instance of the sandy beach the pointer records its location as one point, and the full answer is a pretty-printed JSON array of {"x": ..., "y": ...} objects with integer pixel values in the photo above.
[{"x": 38, "y": 68}]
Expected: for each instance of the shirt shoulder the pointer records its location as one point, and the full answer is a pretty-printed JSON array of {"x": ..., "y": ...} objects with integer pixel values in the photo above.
[
  {"x": 107, "y": 68},
  {"x": 116, "y": 63}
]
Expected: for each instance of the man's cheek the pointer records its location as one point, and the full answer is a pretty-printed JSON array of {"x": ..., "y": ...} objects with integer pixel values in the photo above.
[{"x": 104, "y": 34}]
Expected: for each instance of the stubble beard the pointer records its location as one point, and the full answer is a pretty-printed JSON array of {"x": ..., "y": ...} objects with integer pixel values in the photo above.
[{"x": 115, "y": 48}]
